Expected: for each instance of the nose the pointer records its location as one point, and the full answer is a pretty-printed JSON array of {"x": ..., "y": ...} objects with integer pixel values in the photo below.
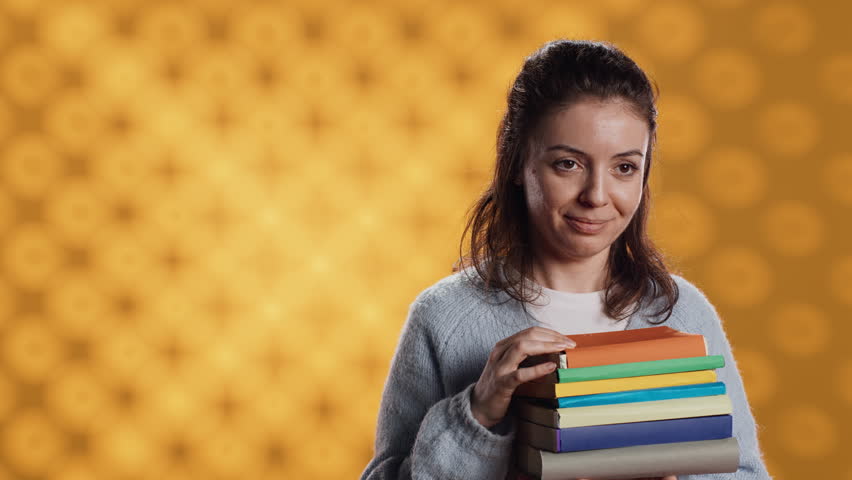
[{"x": 594, "y": 193}]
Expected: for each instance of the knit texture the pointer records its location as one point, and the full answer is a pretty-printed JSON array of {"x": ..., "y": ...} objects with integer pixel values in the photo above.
[{"x": 425, "y": 428}]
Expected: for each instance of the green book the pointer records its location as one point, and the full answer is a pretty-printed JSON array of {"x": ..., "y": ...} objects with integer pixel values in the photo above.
[{"x": 634, "y": 369}]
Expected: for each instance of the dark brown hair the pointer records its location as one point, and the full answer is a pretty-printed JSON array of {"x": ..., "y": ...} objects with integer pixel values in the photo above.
[{"x": 555, "y": 76}]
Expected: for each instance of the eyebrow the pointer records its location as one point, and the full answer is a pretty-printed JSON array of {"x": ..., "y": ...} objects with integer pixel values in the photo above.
[{"x": 570, "y": 149}]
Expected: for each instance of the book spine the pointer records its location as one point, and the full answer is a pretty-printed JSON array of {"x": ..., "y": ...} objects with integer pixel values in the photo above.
[
  {"x": 642, "y": 395},
  {"x": 645, "y": 350},
  {"x": 682, "y": 458},
  {"x": 643, "y": 433},
  {"x": 637, "y": 412},
  {"x": 633, "y": 383},
  {"x": 636, "y": 369}
]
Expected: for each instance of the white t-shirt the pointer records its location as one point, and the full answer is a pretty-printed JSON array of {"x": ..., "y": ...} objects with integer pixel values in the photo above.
[{"x": 573, "y": 313}]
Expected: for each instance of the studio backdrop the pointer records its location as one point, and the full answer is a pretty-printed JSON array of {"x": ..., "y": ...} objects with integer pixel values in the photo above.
[{"x": 215, "y": 214}]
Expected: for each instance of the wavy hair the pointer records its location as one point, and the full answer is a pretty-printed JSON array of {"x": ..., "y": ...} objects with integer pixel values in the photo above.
[{"x": 555, "y": 76}]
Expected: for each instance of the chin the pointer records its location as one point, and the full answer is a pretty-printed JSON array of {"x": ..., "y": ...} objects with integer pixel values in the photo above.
[
  {"x": 586, "y": 249},
  {"x": 590, "y": 245}
]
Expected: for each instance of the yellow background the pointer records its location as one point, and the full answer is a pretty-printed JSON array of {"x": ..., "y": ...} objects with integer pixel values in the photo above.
[{"x": 214, "y": 215}]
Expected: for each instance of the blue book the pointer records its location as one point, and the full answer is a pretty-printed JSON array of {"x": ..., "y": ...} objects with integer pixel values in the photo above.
[
  {"x": 629, "y": 396},
  {"x": 617, "y": 435}
]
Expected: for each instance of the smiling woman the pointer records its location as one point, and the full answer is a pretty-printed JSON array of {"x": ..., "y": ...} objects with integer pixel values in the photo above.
[
  {"x": 575, "y": 144},
  {"x": 564, "y": 219},
  {"x": 582, "y": 187}
]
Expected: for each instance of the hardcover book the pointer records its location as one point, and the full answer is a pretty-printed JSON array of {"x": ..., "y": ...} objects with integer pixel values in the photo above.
[
  {"x": 629, "y": 396},
  {"x": 624, "y": 346},
  {"x": 624, "y": 412},
  {"x": 624, "y": 434},
  {"x": 659, "y": 460},
  {"x": 634, "y": 369},
  {"x": 555, "y": 390}
]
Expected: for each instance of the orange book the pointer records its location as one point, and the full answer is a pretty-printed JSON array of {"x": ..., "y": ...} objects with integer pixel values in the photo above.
[{"x": 624, "y": 346}]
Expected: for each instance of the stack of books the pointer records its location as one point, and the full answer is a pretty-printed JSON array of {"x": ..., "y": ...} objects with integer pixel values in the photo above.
[{"x": 626, "y": 404}]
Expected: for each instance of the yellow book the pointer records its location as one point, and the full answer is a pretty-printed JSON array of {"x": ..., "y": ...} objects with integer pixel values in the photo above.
[{"x": 556, "y": 390}]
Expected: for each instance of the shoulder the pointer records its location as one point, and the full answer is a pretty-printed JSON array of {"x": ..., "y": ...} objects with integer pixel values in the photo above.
[
  {"x": 446, "y": 289},
  {"x": 442, "y": 305},
  {"x": 689, "y": 293},
  {"x": 693, "y": 310}
]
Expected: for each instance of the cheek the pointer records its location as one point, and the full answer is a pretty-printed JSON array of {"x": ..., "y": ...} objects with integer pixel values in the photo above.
[
  {"x": 535, "y": 192},
  {"x": 628, "y": 200},
  {"x": 542, "y": 198}
]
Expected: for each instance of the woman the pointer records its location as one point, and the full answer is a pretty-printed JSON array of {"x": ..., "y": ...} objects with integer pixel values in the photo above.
[{"x": 564, "y": 220}]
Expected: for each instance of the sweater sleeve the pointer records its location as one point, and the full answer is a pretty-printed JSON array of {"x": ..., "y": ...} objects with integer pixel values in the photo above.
[
  {"x": 422, "y": 432},
  {"x": 751, "y": 466}
]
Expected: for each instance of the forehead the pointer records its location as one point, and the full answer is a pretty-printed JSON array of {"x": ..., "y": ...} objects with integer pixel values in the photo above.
[{"x": 595, "y": 123}]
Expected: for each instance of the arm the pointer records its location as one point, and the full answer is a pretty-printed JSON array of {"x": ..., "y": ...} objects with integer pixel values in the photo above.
[
  {"x": 751, "y": 466},
  {"x": 421, "y": 432}
]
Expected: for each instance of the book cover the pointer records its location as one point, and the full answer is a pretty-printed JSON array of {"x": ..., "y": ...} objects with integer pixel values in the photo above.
[
  {"x": 624, "y": 412},
  {"x": 625, "y": 346},
  {"x": 555, "y": 390},
  {"x": 658, "y": 460},
  {"x": 630, "y": 396},
  {"x": 641, "y": 344},
  {"x": 624, "y": 434},
  {"x": 634, "y": 369}
]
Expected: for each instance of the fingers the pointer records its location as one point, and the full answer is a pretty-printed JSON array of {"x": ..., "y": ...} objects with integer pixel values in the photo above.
[
  {"x": 533, "y": 333},
  {"x": 521, "y": 349},
  {"x": 523, "y": 375},
  {"x": 507, "y": 355}
]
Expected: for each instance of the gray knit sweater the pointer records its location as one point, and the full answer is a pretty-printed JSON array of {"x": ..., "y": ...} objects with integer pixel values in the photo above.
[{"x": 425, "y": 427}]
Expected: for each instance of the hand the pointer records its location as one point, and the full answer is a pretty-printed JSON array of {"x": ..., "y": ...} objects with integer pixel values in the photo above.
[{"x": 501, "y": 375}]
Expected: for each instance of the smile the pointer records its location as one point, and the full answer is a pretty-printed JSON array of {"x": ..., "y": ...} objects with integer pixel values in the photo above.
[{"x": 583, "y": 227}]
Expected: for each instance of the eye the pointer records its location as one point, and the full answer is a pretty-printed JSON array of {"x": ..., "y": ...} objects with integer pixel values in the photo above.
[
  {"x": 559, "y": 162},
  {"x": 631, "y": 168}
]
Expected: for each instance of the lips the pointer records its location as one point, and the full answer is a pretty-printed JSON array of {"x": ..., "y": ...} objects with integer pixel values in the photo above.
[
  {"x": 586, "y": 220},
  {"x": 585, "y": 227}
]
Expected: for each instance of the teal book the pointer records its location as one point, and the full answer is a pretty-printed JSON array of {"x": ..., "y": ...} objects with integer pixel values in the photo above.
[
  {"x": 643, "y": 395},
  {"x": 634, "y": 369}
]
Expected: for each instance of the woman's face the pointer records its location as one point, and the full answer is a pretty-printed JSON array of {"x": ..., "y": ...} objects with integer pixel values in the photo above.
[{"x": 586, "y": 161}]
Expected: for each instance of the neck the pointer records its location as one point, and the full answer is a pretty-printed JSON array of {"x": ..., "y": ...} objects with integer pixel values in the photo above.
[{"x": 574, "y": 276}]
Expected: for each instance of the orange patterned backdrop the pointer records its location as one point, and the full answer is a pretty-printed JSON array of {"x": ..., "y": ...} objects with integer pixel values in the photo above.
[{"x": 214, "y": 214}]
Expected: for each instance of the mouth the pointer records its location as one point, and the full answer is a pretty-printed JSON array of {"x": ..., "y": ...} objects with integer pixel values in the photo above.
[
  {"x": 586, "y": 227},
  {"x": 587, "y": 222}
]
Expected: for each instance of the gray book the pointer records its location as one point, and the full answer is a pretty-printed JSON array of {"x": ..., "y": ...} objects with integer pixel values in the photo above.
[{"x": 658, "y": 460}]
